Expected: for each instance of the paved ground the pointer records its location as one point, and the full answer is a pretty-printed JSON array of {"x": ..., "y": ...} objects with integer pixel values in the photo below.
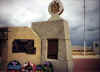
[{"x": 86, "y": 65}]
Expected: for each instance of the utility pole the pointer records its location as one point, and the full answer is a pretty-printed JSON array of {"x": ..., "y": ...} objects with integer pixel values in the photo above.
[{"x": 84, "y": 30}]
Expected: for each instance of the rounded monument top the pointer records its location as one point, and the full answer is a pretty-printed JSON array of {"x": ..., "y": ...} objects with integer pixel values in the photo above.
[{"x": 55, "y": 8}]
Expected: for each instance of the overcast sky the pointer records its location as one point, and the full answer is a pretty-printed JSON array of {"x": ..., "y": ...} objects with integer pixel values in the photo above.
[{"x": 24, "y": 12}]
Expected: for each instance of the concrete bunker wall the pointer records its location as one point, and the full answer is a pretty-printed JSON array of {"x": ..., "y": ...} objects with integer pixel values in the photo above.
[{"x": 23, "y": 33}]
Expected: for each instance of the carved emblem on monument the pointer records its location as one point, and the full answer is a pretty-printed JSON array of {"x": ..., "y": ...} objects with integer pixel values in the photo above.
[{"x": 56, "y": 8}]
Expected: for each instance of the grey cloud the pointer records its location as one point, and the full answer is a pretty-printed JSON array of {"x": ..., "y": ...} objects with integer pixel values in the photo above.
[
  {"x": 5, "y": 20},
  {"x": 93, "y": 29},
  {"x": 76, "y": 27}
]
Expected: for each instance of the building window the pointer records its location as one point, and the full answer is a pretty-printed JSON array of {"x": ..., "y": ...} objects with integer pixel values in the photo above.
[
  {"x": 23, "y": 45},
  {"x": 52, "y": 49}
]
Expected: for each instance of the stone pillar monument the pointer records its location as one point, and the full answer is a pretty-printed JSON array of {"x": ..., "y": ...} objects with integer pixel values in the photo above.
[{"x": 55, "y": 39}]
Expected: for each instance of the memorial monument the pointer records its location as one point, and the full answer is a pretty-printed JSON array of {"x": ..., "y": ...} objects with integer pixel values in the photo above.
[{"x": 55, "y": 39}]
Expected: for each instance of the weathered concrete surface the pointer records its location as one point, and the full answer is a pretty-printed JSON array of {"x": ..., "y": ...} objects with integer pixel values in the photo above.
[
  {"x": 49, "y": 29},
  {"x": 55, "y": 29},
  {"x": 23, "y": 33}
]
